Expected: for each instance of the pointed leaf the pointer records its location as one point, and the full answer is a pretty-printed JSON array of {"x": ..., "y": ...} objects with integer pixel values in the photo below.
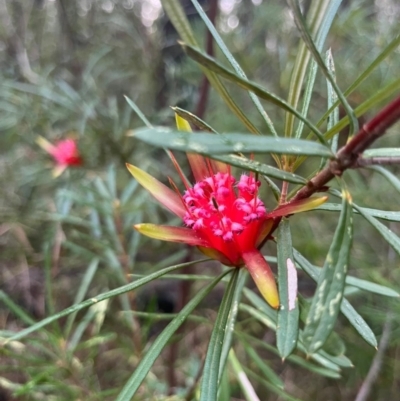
[
  {"x": 244, "y": 382},
  {"x": 288, "y": 315},
  {"x": 355, "y": 319},
  {"x": 211, "y": 64},
  {"x": 265, "y": 369},
  {"x": 388, "y": 175},
  {"x": 211, "y": 144},
  {"x": 302, "y": 26},
  {"x": 329, "y": 293},
  {"x": 233, "y": 63},
  {"x": 177, "y": 16},
  {"x": 209, "y": 383},
  {"x": 262, "y": 275},
  {"x": 161, "y": 192},
  {"x": 392, "y": 239},
  {"x": 101, "y": 297},
  {"x": 380, "y": 214},
  {"x": 158, "y": 345},
  {"x": 371, "y": 287},
  {"x": 171, "y": 233},
  {"x": 302, "y": 205},
  {"x": 382, "y": 152},
  {"x": 352, "y": 315},
  {"x": 230, "y": 324}
]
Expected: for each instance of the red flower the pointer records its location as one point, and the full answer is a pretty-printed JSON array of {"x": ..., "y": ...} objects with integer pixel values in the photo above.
[
  {"x": 224, "y": 217},
  {"x": 65, "y": 153}
]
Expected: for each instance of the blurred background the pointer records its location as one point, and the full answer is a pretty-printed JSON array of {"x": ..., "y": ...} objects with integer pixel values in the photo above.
[{"x": 65, "y": 68}]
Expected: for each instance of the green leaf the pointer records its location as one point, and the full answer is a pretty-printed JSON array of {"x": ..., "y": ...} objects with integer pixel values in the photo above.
[
  {"x": 371, "y": 287},
  {"x": 261, "y": 305},
  {"x": 328, "y": 16},
  {"x": 138, "y": 112},
  {"x": 288, "y": 315},
  {"x": 177, "y": 15},
  {"x": 352, "y": 315},
  {"x": 230, "y": 325},
  {"x": 105, "y": 295},
  {"x": 302, "y": 26},
  {"x": 331, "y": 282},
  {"x": 392, "y": 239},
  {"x": 16, "y": 309},
  {"x": 212, "y": 65},
  {"x": 382, "y": 152},
  {"x": 234, "y": 64},
  {"x": 158, "y": 345},
  {"x": 244, "y": 382},
  {"x": 358, "y": 323},
  {"x": 388, "y": 175},
  {"x": 316, "y": 12},
  {"x": 271, "y": 387},
  {"x": 265, "y": 369},
  {"x": 80, "y": 294},
  {"x": 210, "y": 144},
  {"x": 260, "y": 316},
  {"x": 209, "y": 383},
  {"x": 374, "y": 100},
  {"x": 328, "y": 372},
  {"x": 380, "y": 214}
]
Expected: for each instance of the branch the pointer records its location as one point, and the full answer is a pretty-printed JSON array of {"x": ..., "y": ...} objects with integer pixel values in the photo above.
[{"x": 349, "y": 154}]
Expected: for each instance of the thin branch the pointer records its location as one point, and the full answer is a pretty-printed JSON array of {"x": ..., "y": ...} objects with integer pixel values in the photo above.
[
  {"x": 349, "y": 154},
  {"x": 376, "y": 365}
]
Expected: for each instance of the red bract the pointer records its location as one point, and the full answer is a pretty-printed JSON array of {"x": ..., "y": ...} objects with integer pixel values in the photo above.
[
  {"x": 65, "y": 153},
  {"x": 224, "y": 217}
]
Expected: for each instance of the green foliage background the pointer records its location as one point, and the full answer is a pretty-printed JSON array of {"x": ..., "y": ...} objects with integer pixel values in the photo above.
[{"x": 68, "y": 239}]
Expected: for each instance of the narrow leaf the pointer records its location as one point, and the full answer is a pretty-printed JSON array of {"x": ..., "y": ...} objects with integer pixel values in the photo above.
[
  {"x": 388, "y": 175},
  {"x": 206, "y": 143},
  {"x": 244, "y": 382},
  {"x": 382, "y": 152},
  {"x": 212, "y": 65},
  {"x": 355, "y": 319},
  {"x": 105, "y": 295},
  {"x": 328, "y": 295},
  {"x": 154, "y": 351},
  {"x": 234, "y": 64},
  {"x": 288, "y": 315},
  {"x": 230, "y": 325},
  {"x": 392, "y": 239},
  {"x": 380, "y": 214},
  {"x": 302, "y": 26},
  {"x": 209, "y": 383},
  {"x": 177, "y": 15}
]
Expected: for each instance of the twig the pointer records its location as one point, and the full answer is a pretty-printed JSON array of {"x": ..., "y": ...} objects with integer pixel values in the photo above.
[
  {"x": 376, "y": 365},
  {"x": 349, "y": 154}
]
